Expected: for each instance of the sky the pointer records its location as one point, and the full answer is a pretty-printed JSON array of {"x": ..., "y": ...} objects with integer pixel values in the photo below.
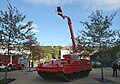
[{"x": 51, "y": 29}]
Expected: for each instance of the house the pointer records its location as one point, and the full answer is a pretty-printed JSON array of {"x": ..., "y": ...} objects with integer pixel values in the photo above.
[{"x": 65, "y": 50}]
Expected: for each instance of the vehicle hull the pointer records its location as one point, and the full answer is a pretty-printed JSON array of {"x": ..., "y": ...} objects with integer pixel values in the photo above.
[{"x": 62, "y": 69}]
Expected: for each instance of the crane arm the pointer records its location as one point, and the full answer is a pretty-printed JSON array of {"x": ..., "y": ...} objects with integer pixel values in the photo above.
[{"x": 70, "y": 27}]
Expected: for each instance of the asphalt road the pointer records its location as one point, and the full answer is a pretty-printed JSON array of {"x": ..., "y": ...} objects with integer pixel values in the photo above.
[{"x": 25, "y": 77}]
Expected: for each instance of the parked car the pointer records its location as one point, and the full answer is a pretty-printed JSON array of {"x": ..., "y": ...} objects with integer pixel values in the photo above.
[
  {"x": 118, "y": 62},
  {"x": 96, "y": 64}
]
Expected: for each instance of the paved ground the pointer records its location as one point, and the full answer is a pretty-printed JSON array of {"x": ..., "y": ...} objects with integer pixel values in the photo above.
[{"x": 25, "y": 77}]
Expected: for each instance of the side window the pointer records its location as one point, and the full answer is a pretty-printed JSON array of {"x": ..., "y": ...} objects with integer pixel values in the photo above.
[
  {"x": 3, "y": 60},
  {"x": 13, "y": 57}
]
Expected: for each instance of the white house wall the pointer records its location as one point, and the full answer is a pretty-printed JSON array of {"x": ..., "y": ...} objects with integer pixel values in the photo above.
[{"x": 63, "y": 52}]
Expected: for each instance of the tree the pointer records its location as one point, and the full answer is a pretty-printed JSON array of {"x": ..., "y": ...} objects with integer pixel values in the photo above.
[
  {"x": 36, "y": 52},
  {"x": 48, "y": 57},
  {"x": 98, "y": 33},
  {"x": 12, "y": 29},
  {"x": 55, "y": 52},
  {"x": 117, "y": 43},
  {"x": 1, "y": 37},
  {"x": 51, "y": 52},
  {"x": 29, "y": 43}
]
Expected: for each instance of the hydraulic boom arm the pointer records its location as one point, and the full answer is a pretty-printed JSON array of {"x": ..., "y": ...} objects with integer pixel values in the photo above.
[{"x": 70, "y": 27}]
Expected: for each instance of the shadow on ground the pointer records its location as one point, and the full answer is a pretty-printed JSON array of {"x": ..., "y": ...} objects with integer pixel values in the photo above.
[{"x": 6, "y": 81}]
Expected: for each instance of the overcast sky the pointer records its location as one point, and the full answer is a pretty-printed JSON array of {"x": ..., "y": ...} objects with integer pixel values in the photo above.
[{"x": 50, "y": 29}]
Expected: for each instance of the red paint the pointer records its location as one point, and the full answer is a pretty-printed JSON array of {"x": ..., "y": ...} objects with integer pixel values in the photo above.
[
  {"x": 14, "y": 63},
  {"x": 71, "y": 64}
]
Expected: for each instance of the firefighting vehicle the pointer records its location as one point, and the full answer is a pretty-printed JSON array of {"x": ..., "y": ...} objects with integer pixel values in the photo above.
[
  {"x": 12, "y": 62},
  {"x": 71, "y": 67}
]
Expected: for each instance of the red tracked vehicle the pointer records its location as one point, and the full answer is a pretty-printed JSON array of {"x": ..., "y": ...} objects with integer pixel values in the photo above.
[{"x": 71, "y": 67}]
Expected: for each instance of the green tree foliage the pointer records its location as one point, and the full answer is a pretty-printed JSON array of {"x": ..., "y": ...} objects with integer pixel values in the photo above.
[
  {"x": 47, "y": 52},
  {"x": 117, "y": 43},
  {"x": 31, "y": 41},
  {"x": 37, "y": 52},
  {"x": 11, "y": 26},
  {"x": 55, "y": 52},
  {"x": 98, "y": 32},
  {"x": 47, "y": 49},
  {"x": 48, "y": 57},
  {"x": 12, "y": 29}
]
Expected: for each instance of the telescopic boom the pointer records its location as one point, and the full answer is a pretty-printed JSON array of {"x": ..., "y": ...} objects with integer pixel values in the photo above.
[{"x": 70, "y": 27}]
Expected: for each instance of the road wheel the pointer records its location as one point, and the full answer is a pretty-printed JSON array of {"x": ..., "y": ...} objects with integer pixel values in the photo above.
[
  {"x": 22, "y": 67},
  {"x": 9, "y": 68}
]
